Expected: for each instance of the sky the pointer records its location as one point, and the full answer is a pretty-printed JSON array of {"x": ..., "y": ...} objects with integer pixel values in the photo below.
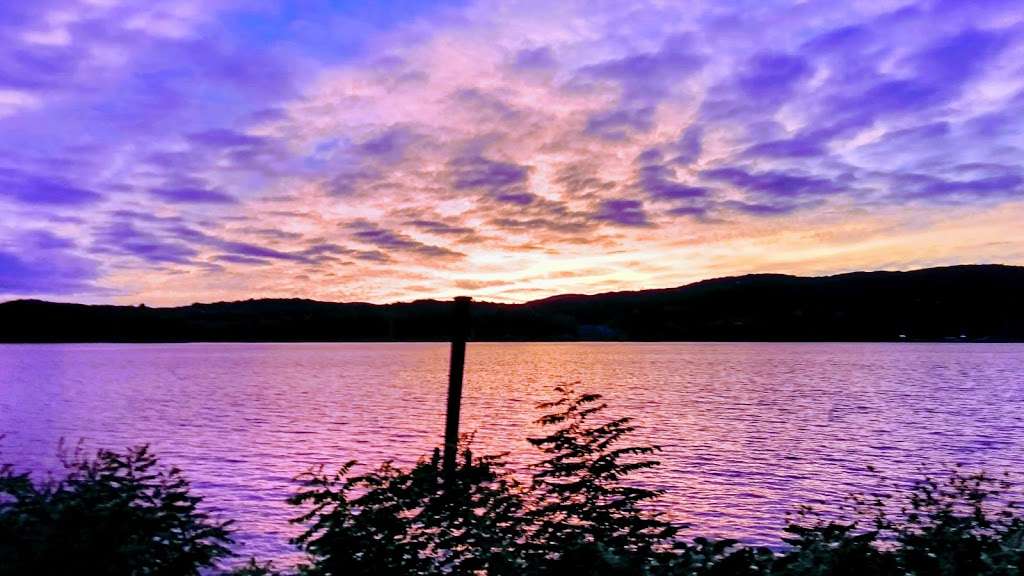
[{"x": 202, "y": 150}]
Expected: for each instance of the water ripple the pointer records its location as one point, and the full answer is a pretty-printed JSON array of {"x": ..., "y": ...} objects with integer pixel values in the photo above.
[{"x": 748, "y": 431}]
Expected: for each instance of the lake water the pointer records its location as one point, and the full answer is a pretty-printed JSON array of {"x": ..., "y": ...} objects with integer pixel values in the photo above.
[{"x": 748, "y": 430}]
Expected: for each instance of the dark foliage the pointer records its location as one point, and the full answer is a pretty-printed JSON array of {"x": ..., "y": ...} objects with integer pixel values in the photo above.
[
  {"x": 977, "y": 302},
  {"x": 586, "y": 516},
  {"x": 965, "y": 523},
  {"x": 391, "y": 521},
  {"x": 116, "y": 514}
]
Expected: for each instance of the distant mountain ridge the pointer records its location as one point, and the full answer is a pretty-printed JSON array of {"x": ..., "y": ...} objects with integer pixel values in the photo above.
[{"x": 973, "y": 302}]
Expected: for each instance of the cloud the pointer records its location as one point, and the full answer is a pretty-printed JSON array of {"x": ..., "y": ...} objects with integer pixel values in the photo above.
[
  {"x": 440, "y": 228},
  {"x": 765, "y": 82},
  {"x": 389, "y": 145},
  {"x": 224, "y": 138},
  {"x": 241, "y": 259},
  {"x": 774, "y": 183},
  {"x": 932, "y": 75},
  {"x": 644, "y": 80},
  {"x": 255, "y": 251},
  {"x": 350, "y": 182},
  {"x": 125, "y": 238},
  {"x": 619, "y": 123},
  {"x": 477, "y": 172},
  {"x": 478, "y": 284},
  {"x": 39, "y": 262},
  {"x": 689, "y": 146},
  {"x": 622, "y": 212},
  {"x": 658, "y": 181},
  {"x": 42, "y": 190},
  {"x": 540, "y": 225},
  {"x": 649, "y": 76},
  {"x": 374, "y": 235},
  {"x": 202, "y": 139},
  {"x": 995, "y": 185},
  {"x": 541, "y": 58},
  {"x": 518, "y": 198},
  {"x": 801, "y": 146},
  {"x": 61, "y": 275},
  {"x": 193, "y": 196},
  {"x": 485, "y": 105}
]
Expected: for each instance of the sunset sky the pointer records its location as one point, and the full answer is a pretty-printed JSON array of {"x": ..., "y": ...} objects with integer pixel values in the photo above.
[{"x": 200, "y": 150}]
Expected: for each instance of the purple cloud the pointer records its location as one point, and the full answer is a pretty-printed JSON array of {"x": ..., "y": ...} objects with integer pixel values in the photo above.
[
  {"x": 622, "y": 212},
  {"x": 534, "y": 58},
  {"x": 193, "y": 196},
  {"x": 773, "y": 183},
  {"x": 801, "y": 146},
  {"x": 986, "y": 186},
  {"x": 484, "y": 103},
  {"x": 248, "y": 249},
  {"x": 223, "y": 138},
  {"x": 389, "y": 145},
  {"x": 689, "y": 146},
  {"x": 240, "y": 259},
  {"x": 323, "y": 252},
  {"x": 436, "y": 227},
  {"x": 764, "y": 83},
  {"x": 371, "y": 256},
  {"x": 374, "y": 235},
  {"x": 699, "y": 212},
  {"x": 644, "y": 79},
  {"x": 42, "y": 190},
  {"x": 557, "y": 226},
  {"x": 351, "y": 181},
  {"x": 470, "y": 172},
  {"x": 618, "y": 124},
  {"x": 37, "y": 67},
  {"x": 932, "y": 76},
  {"x": 42, "y": 240},
  {"x": 54, "y": 273},
  {"x": 256, "y": 251},
  {"x": 169, "y": 241},
  {"x": 659, "y": 183},
  {"x": 648, "y": 76},
  {"x": 518, "y": 198},
  {"x": 38, "y": 262},
  {"x": 125, "y": 238},
  {"x": 761, "y": 209},
  {"x": 953, "y": 59},
  {"x": 854, "y": 38},
  {"x": 770, "y": 77}
]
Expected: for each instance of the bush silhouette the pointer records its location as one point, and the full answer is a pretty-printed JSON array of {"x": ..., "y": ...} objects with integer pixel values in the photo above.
[
  {"x": 114, "y": 514},
  {"x": 963, "y": 523},
  {"x": 391, "y": 521},
  {"x": 586, "y": 516}
]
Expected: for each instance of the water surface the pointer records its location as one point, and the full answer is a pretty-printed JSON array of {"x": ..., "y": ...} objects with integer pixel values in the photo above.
[{"x": 748, "y": 430}]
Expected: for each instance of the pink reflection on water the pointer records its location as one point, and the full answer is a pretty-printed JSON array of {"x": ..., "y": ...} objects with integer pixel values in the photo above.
[{"x": 748, "y": 431}]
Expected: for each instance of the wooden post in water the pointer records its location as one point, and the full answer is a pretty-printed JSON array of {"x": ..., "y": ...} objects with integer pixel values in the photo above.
[{"x": 460, "y": 332}]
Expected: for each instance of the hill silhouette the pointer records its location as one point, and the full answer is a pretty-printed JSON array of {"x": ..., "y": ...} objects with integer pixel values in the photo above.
[{"x": 978, "y": 302}]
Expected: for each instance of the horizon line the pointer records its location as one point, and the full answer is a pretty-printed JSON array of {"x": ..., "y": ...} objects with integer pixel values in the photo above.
[{"x": 525, "y": 302}]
